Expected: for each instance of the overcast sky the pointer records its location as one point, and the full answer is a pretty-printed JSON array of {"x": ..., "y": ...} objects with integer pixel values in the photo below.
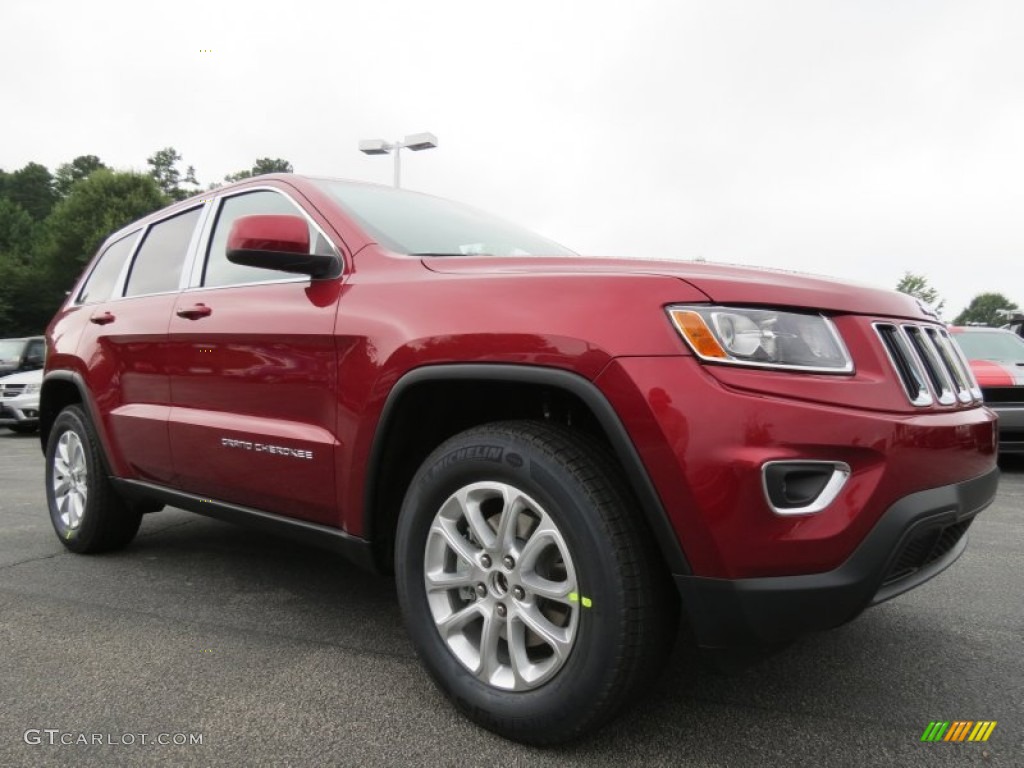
[{"x": 859, "y": 139}]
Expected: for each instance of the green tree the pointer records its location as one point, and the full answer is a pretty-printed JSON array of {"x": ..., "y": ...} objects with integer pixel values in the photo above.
[
  {"x": 31, "y": 187},
  {"x": 15, "y": 318},
  {"x": 261, "y": 166},
  {"x": 982, "y": 309},
  {"x": 71, "y": 173},
  {"x": 918, "y": 287},
  {"x": 17, "y": 238},
  {"x": 164, "y": 170},
  {"x": 98, "y": 205},
  {"x": 17, "y": 230},
  {"x": 6, "y": 313}
]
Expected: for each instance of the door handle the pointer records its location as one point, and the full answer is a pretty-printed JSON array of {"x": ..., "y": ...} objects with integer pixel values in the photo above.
[
  {"x": 102, "y": 319},
  {"x": 194, "y": 312}
]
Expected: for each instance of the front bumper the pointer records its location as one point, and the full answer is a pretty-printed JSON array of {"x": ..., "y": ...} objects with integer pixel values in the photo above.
[
  {"x": 915, "y": 539},
  {"x": 22, "y": 410},
  {"x": 705, "y": 443}
]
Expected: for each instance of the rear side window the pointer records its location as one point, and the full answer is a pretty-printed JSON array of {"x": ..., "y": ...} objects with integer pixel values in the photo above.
[
  {"x": 157, "y": 265},
  {"x": 220, "y": 271},
  {"x": 104, "y": 275}
]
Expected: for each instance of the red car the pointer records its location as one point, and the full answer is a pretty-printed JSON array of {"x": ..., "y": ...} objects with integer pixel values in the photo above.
[
  {"x": 555, "y": 455},
  {"x": 996, "y": 357}
]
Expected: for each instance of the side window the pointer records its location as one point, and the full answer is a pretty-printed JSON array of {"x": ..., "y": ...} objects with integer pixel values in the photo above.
[
  {"x": 157, "y": 265},
  {"x": 220, "y": 271},
  {"x": 104, "y": 275},
  {"x": 35, "y": 352}
]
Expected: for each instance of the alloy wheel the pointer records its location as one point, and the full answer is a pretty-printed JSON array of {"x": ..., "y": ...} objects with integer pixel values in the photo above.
[{"x": 501, "y": 586}]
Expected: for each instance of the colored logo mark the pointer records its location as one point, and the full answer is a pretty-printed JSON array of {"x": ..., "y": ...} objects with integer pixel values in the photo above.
[{"x": 959, "y": 730}]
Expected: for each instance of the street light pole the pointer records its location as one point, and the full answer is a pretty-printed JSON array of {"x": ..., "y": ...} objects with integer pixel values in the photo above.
[{"x": 415, "y": 142}]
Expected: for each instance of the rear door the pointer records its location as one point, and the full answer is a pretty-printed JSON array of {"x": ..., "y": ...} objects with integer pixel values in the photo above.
[
  {"x": 129, "y": 298},
  {"x": 253, "y": 375}
]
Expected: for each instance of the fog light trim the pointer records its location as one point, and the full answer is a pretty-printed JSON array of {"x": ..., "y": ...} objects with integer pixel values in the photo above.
[{"x": 840, "y": 473}]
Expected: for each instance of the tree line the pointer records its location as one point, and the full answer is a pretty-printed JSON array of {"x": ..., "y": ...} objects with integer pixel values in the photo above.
[
  {"x": 51, "y": 223},
  {"x": 983, "y": 309}
]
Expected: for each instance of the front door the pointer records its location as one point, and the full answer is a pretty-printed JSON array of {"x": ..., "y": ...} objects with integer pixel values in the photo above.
[{"x": 253, "y": 377}]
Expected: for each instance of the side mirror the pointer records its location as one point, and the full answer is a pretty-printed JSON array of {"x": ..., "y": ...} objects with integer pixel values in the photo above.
[
  {"x": 275, "y": 241},
  {"x": 32, "y": 362}
]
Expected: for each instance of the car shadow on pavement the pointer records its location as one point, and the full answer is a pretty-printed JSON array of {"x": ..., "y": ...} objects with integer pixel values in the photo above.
[{"x": 882, "y": 672}]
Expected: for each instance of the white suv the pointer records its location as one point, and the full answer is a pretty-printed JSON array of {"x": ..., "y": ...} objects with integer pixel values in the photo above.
[{"x": 19, "y": 401}]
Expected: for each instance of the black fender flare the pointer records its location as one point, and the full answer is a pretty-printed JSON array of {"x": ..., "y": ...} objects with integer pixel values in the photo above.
[
  {"x": 556, "y": 378},
  {"x": 85, "y": 396}
]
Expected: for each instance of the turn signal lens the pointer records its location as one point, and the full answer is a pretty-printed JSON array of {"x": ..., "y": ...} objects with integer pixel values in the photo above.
[{"x": 697, "y": 333}]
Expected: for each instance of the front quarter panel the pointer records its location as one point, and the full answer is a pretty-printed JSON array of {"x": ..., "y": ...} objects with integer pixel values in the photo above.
[{"x": 395, "y": 316}]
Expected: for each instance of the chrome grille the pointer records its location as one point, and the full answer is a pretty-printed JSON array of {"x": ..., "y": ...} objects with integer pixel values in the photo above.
[
  {"x": 930, "y": 365},
  {"x": 11, "y": 390}
]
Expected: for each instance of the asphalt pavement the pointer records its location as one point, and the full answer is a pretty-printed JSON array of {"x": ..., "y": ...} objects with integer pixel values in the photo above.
[{"x": 270, "y": 653}]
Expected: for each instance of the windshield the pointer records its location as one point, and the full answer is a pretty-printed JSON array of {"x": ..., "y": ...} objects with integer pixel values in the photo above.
[
  {"x": 978, "y": 345},
  {"x": 421, "y": 225},
  {"x": 11, "y": 349}
]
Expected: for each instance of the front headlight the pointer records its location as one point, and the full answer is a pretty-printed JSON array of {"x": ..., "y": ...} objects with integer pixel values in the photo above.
[
  {"x": 763, "y": 338},
  {"x": 31, "y": 389}
]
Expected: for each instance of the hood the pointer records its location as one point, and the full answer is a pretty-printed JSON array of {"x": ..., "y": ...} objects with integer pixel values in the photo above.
[
  {"x": 721, "y": 284},
  {"x": 25, "y": 377}
]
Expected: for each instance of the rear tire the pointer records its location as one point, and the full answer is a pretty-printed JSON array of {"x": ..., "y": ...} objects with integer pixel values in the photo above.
[
  {"x": 88, "y": 515},
  {"x": 533, "y": 595}
]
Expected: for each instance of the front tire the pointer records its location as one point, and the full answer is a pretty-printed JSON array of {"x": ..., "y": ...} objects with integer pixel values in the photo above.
[
  {"x": 532, "y": 594},
  {"x": 87, "y": 513}
]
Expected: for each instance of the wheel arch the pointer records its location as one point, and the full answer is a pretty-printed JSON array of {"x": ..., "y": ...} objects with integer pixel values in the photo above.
[
  {"x": 504, "y": 391},
  {"x": 61, "y": 389}
]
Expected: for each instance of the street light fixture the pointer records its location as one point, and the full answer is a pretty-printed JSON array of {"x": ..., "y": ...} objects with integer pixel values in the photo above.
[{"x": 415, "y": 142}]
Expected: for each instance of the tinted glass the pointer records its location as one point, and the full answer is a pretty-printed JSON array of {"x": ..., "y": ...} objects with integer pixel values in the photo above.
[
  {"x": 979, "y": 345},
  {"x": 35, "y": 349},
  {"x": 101, "y": 282},
  {"x": 158, "y": 264},
  {"x": 220, "y": 271},
  {"x": 408, "y": 222}
]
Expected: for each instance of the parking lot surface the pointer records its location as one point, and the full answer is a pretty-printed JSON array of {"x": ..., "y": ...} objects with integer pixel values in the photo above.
[{"x": 275, "y": 654}]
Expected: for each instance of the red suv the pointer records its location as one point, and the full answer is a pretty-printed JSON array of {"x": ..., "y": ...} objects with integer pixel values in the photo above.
[{"x": 553, "y": 454}]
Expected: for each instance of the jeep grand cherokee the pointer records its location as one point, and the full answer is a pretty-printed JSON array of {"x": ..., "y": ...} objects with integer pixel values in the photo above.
[{"x": 557, "y": 456}]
